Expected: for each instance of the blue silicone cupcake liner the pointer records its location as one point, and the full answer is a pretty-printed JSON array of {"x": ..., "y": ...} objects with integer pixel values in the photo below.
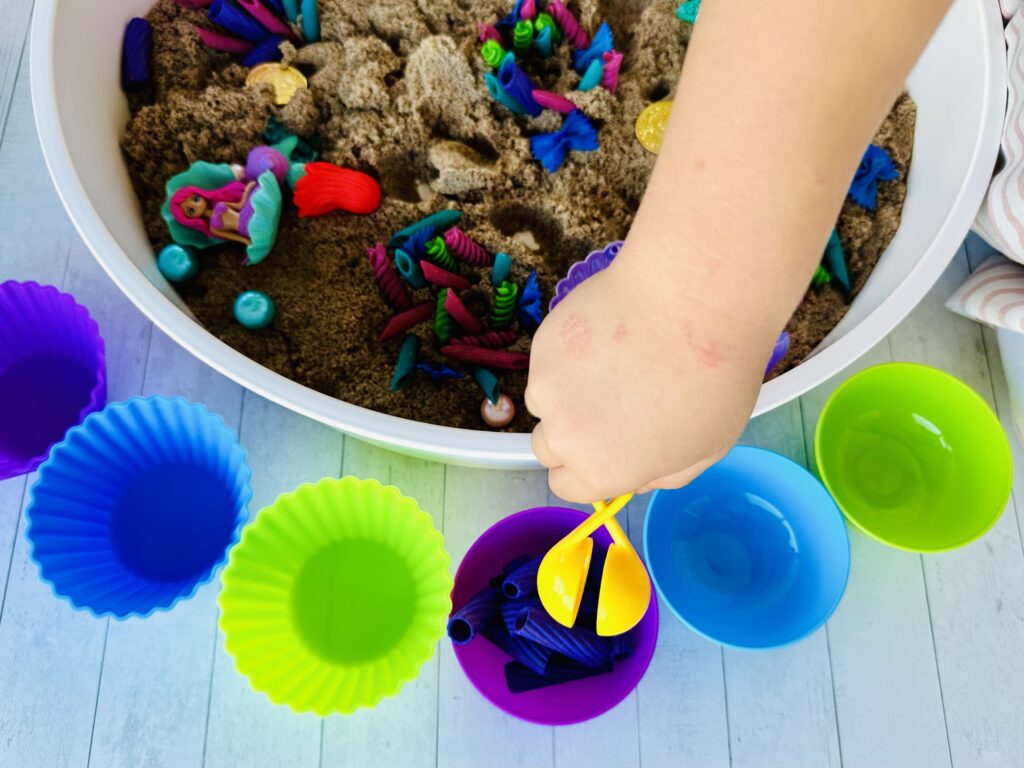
[
  {"x": 139, "y": 506},
  {"x": 52, "y": 372}
]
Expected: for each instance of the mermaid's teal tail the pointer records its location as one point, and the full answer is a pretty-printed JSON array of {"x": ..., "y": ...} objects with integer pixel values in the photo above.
[{"x": 266, "y": 206}]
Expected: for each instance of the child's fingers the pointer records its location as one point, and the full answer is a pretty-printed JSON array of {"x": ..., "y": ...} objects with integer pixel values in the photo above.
[
  {"x": 542, "y": 449},
  {"x": 568, "y": 485},
  {"x": 683, "y": 477}
]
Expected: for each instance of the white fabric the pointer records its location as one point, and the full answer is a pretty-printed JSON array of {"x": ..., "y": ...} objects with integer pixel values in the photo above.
[
  {"x": 993, "y": 295},
  {"x": 1001, "y": 218}
]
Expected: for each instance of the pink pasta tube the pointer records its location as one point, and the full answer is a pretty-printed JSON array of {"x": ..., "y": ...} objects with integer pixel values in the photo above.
[
  {"x": 465, "y": 249},
  {"x": 390, "y": 285},
  {"x": 571, "y": 29}
]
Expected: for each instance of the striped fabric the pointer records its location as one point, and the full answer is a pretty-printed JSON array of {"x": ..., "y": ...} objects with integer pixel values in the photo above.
[
  {"x": 1001, "y": 218},
  {"x": 993, "y": 295}
]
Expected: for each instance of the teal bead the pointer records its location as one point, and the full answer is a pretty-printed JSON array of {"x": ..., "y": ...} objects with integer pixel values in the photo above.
[
  {"x": 501, "y": 270},
  {"x": 178, "y": 263},
  {"x": 254, "y": 310}
]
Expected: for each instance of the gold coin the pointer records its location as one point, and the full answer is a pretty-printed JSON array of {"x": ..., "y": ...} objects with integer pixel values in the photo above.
[
  {"x": 286, "y": 80},
  {"x": 650, "y": 125}
]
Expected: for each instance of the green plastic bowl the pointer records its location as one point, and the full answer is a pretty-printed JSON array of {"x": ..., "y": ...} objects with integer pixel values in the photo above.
[{"x": 914, "y": 457}]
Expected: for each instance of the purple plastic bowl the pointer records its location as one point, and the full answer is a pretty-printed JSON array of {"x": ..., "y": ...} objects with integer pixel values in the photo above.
[
  {"x": 533, "y": 532},
  {"x": 53, "y": 372}
]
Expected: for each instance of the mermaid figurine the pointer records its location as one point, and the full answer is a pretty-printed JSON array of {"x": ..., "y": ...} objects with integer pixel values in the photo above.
[{"x": 215, "y": 203}]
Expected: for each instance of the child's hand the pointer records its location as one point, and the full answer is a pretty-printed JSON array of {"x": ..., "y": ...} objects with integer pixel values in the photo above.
[{"x": 639, "y": 384}]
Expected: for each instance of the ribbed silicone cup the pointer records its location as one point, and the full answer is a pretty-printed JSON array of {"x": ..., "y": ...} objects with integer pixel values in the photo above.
[
  {"x": 336, "y": 596},
  {"x": 53, "y": 372},
  {"x": 138, "y": 507},
  {"x": 533, "y": 532}
]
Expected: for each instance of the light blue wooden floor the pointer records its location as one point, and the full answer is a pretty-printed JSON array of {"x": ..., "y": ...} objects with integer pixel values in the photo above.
[{"x": 921, "y": 666}]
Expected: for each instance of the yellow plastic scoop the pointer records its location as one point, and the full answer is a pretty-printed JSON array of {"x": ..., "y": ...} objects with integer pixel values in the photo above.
[{"x": 625, "y": 587}]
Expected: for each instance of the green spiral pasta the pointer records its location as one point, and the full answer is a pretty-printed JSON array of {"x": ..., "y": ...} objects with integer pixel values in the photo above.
[
  {"x": 504, "y": 309},
  {"x": 492, "y": 53},
  {"x": 522, "y": 35},
  {"x": 438, "y": 253},
  {"x": 821, "y": 277},
  {"x": 443, "y": 322}
]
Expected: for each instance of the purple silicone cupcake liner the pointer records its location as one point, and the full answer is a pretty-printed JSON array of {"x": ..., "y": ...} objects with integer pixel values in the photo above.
[
  {"x": 585, "y": 269},
  {"x": 53, "y": 372}
]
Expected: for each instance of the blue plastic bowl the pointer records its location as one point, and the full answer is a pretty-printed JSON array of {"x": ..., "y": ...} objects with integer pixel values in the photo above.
[
  {"x": 138, "y": 507},
  {"x": 752, "y": 554}
]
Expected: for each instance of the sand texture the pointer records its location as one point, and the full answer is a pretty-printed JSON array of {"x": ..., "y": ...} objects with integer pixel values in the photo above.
[{"x": 396, "y": 90}]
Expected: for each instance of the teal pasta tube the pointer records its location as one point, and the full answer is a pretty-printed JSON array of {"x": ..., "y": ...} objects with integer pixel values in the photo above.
[
  {"x": 467, "y": 622},
  {"x": 406, "y": 362},
  {"x": 520, "y": 678},
  {"x": 533, "y": 656},
  {"x": 544, "y": 42},
  {"x": 580, "y": 645},
  {"x": 500, "y": 95},
  {"x": 310, "y": 21},
  {"x": 409, "y": 269},
  {"x": 591, "y": 76},
  {"x": 522, "y": 581},
  {"x": 488, "y": 382},
  {"x": 835, "y": 261},
  {"x": 439, "y": 221},
  {"x": 501, "y": 270}
]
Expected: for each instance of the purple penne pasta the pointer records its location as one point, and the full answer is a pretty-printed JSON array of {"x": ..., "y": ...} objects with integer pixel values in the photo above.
[
  {"x": 578, "y": 644},
  {"x": 465, "y": 623},
  {"x": 527, "y": 653},
  {"x": 592, "y": 588},
  {"x": 511, "y": 565},
  {"x": 136, "y": 53},
  {"x": 510, "y": 611},
  {"x": 522, "y": 581},
  {"x": 521, "y": 678},
  {"x": 621, "y": 646}
]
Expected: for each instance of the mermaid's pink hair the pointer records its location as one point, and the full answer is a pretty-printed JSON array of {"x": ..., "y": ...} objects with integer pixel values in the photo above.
[{"x": 229, "y": 193}]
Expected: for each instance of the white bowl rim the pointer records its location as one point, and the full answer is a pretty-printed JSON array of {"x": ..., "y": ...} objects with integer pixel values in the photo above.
[{"x": 477, "y": 447}]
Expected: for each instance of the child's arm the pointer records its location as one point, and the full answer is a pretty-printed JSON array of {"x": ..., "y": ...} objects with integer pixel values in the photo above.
[{"x": 648, "y": 372}]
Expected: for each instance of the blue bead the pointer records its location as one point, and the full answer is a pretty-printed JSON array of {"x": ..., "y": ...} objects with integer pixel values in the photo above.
[
  {"x": 178, "y": 263},
  {"x": 254, "y": 310}
]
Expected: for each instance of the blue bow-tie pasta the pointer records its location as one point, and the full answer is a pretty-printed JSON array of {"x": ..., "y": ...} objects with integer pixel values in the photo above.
[
  {"x": 875, "y": 166},
  {"x": 577, "y": 133}
]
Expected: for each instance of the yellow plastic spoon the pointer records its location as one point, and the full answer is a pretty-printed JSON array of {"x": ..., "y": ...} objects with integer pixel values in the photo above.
[
  {"x": 625, "y": 586},
  {"x": 563, "y": 573}
]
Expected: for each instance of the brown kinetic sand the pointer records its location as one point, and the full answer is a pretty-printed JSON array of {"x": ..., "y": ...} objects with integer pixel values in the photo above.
[{"x": 396, "y": 90}]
